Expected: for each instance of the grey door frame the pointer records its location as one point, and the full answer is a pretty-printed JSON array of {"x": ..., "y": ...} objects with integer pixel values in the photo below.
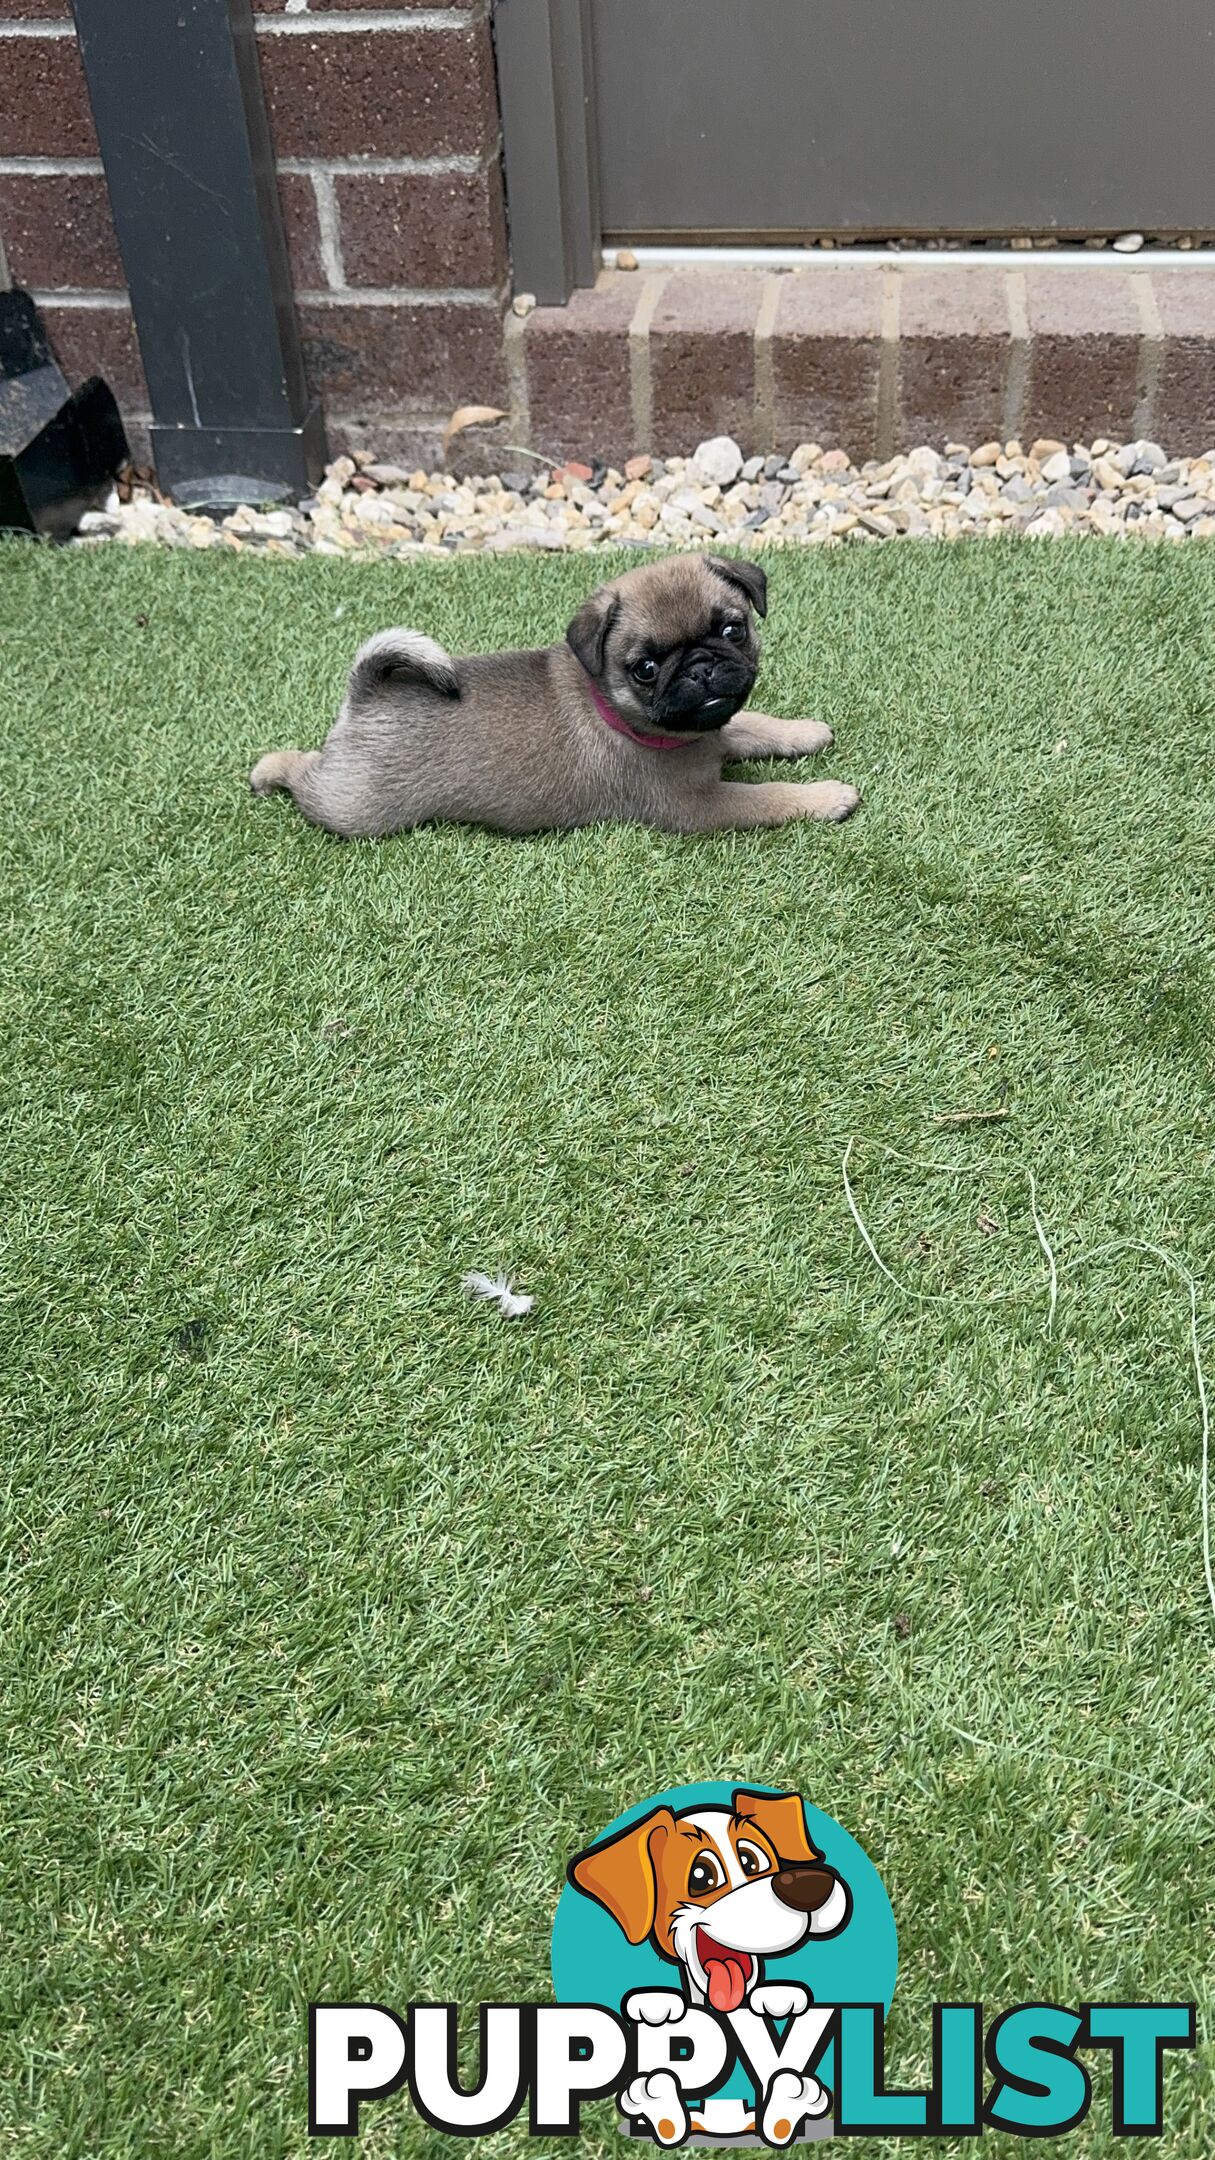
[
  {"x": 549, "y": 145},
  {"x": 549, "y": 114}
]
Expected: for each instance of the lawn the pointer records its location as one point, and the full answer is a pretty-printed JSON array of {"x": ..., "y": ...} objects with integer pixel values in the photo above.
[{"x": 338, "y": 1611}]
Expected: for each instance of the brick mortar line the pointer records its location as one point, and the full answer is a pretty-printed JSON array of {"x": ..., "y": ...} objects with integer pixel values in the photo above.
[
  {"x": 514, "y": 353},
  {"x": 1151, "y": 352},
  {"x": 889, "y": 388},
  {"x": 301, "y": 23},
  {"x": 1016, "y": 380},
  {"x": 37, "y": 168},
  {"x": 641, "y": 381},
  {"x": 422, "y": 419},
  {"x": 486, "y": 296},
  {"x": 81, "y": 296},
  {"x": 329, "y": 229},
  {"x": 390, "y": 416},
  {"x": 469, "y": 164},
  {"x": 765, "y": 373},
  {"x": 359, "y": 20}
]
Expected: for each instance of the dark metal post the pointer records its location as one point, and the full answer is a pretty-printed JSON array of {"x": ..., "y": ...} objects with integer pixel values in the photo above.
[
  {"x": 178, "y": 105},
  {"x": 548, "y": 136}
]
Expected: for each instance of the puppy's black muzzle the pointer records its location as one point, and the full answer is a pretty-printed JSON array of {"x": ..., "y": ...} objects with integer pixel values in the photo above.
[{"x": 709, "y": 688}]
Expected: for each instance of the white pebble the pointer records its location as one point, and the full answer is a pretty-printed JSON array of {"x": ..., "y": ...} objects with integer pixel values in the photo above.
[{"x": 719, "y": 461}]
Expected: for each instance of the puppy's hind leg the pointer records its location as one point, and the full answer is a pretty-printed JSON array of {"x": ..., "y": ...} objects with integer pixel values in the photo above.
[
  {"x": 353, "y": 786},
  {"x": 302, "y": 775},
  {"x": 321, "y": 787},
  {"x": 281, "y": 769}
]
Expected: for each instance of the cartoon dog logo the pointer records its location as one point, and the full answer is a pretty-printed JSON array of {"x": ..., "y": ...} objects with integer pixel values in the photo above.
[{"x": 717, "y": 1891}]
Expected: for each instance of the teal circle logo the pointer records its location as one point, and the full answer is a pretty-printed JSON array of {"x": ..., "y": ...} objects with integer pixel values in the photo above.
[{"x": 613, "y": 1932}]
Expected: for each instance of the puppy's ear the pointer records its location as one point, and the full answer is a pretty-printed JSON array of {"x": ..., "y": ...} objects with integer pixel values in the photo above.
[
  {"x": 587, "y": 634},
  {"x": 782, "y": 1820},
  {"x": 747, "y": 576},
  {"x": 622, "y": 1875}
]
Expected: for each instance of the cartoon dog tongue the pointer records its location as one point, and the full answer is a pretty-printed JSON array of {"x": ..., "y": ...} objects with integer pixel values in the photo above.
[{"x": 726, "y": 1972}]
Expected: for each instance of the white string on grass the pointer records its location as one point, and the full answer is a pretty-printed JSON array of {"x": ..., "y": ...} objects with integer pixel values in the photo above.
[{"x": 1096, "y": 1252}]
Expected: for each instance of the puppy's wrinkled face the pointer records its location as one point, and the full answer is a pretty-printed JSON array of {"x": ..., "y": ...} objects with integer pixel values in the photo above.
[{"x": 673, "y": 645}]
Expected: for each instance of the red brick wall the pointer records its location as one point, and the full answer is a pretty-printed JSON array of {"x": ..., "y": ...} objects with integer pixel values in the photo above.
[
  {"x": 385, "y": 125},
  {"x": 385, "y": 122}
]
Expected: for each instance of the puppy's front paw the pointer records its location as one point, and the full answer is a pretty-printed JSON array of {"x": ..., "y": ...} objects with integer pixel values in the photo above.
[
  {"x": 654, "y": 2006},
  {"x": 790, "y": 2101},
  {"x": 656, "y": 2100},
  {"x": 780, "y": 1998},
  {"x": 810, "y": 736},
  {"x": 831, "y": 800}
]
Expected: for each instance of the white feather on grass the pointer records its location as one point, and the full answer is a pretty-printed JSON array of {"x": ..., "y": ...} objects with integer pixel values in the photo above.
[{"x": 497, "y": 1287}]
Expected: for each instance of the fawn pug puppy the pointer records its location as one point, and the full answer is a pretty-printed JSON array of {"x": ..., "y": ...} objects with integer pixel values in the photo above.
[{"x": 631, "y": 719}]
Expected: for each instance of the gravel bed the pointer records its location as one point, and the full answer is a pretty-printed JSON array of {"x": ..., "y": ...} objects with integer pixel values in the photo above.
[{"x": 812, "y": 497}]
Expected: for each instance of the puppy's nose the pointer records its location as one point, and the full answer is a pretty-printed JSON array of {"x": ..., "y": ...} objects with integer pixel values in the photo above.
[{"x": 803, "y": 1888}]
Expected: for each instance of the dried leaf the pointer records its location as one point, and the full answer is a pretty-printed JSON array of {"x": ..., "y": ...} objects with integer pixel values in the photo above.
[{"x": 468, "y": 416}]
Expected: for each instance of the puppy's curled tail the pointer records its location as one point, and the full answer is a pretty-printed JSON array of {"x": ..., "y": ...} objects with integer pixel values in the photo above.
[{"x": 406, "y": 653}]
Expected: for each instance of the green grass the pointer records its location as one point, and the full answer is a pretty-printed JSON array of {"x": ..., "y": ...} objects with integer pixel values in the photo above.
[{"x": 338, "y": 1612}]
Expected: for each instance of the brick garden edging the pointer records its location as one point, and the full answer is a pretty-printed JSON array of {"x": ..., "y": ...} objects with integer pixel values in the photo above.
[
  {"x": 871, "y": 359},
  {"x": 386, "y": 130}
]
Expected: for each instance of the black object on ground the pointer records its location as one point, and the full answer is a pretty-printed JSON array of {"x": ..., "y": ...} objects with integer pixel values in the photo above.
[{"x": 59, "y": 449}]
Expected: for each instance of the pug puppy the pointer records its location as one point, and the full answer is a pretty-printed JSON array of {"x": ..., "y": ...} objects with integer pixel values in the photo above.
[{"x": 631, "y": 719}]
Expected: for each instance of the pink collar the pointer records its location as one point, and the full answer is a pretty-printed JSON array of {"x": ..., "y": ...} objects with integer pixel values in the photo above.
[{"x": 609, "y": 715}]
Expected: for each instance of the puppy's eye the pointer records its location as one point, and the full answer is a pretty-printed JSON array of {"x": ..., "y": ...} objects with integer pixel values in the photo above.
[
  {"x": 644, "y": 670},
  {"x": 735, "y": 631},
  {"x": 706, "y": 1874},
  {"x": 751, "y": 1860}
]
